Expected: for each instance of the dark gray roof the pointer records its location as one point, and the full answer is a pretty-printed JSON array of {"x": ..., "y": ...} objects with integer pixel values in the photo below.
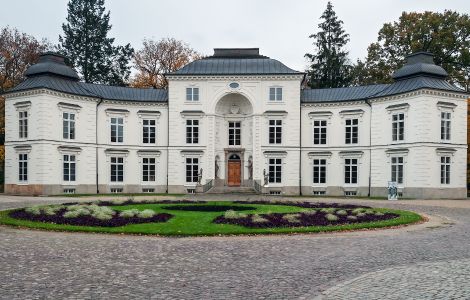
[
  {"x": 416, "y": 83},
  {"x": 51, "y": 64},
  {"x": 420, "y": 63},
  {"x": 341, "y": 94},
  {"x": 235, "y": 61}
]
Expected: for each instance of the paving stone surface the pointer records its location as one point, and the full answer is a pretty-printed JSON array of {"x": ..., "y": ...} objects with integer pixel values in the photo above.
[{"x": 359, "y": 265}]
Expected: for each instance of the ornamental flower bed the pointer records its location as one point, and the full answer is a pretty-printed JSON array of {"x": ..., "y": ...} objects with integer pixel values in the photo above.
[
  {"x": 304, "y": 204},
  {"x": 88, "y": 215},
  {"x": 315, "y": 217}
]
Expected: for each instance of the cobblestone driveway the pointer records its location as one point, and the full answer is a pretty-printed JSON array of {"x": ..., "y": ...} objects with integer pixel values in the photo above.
[{"x": 48, "y": 265}]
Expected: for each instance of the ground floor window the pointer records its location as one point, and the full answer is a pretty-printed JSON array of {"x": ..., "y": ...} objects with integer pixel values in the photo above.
[
  {"x": 23, "y": 167},
  {"x": 350, "y": 170},
  {"x": 445, "y": 169},
  {"x": 148, "y": 169},
  {"x": 69, "y": 167},
  {"x": 397, "y": 169},
  {"x": 275, "y": 170},
  {"x": 117, "y": 169},
  {"x": 192, "y": 169},
  {"x": 319, "y": 171}
]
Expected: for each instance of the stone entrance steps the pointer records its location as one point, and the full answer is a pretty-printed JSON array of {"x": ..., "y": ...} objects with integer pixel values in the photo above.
[{"x": 231, "y": 190}]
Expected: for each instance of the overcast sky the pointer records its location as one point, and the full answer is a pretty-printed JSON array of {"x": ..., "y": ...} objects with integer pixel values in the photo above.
[{"x": 280, "y": 28}]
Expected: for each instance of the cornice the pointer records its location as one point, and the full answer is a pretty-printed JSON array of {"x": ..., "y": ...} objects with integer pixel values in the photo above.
[
  {"x": 52, "y": 93},
  {"x": 235, "y": 77}
]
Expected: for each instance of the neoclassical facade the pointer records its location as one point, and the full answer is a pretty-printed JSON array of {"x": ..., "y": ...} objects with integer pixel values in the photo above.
[{"x": 237, "y": 120}]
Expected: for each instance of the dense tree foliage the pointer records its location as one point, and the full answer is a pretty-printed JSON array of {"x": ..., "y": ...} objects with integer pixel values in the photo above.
[
  {"x": 446, "y": 35},
  {"x": 329, "y": 63},
  {"x": 86, "y": 43},
  {"x": 159, "y": 57}
]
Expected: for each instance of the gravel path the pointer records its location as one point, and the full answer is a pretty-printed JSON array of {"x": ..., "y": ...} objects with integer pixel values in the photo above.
[{"x": 359, "y": 265}]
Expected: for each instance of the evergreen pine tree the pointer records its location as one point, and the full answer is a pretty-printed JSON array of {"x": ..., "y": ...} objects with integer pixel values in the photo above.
[
  {"x": 87, "y": 45},
  {"x": 329, "y": 64}
]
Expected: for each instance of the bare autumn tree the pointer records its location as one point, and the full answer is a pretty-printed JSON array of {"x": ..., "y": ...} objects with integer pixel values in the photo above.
[{"x": 159, "y": 57}]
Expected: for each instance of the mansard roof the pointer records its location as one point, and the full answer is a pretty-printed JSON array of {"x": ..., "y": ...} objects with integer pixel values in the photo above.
[
  {"x": 52, "y": 73},
  {"x": 236, "y": 61}
]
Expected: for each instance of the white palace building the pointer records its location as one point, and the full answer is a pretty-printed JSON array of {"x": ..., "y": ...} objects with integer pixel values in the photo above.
[{"x": 234, "y": 121}]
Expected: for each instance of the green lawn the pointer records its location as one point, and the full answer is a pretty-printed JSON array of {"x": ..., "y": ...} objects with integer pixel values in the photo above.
[{"x": 193, "y": 223}]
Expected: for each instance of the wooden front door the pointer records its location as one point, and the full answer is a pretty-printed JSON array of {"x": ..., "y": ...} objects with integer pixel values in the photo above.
[{"x": 234, "y": 173}]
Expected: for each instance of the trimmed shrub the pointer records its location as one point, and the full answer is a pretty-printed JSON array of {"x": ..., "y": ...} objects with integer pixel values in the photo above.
[
  {"x": 258, "y": 219},
  {"x": 129, "y": 213},
  {"x": 309, "y": 212},
  {"x": 329, "y": 210},
  {"x": 342, "y": 212},
  {"x": 35, "y": 210},
  {"x": 331, "y": 217},
  {"x": 292, "y": 218},
  {"x": 352, "y": 218},
  {"x": 379, "y": 214},
  {"x": 146, "y": 213}
]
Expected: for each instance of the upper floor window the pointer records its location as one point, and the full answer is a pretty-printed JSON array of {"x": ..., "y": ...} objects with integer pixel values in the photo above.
[
  {"x": 397, "y": 169},
  {"x": 352, "y": 131},
  {"x": 69, "y": 167},
  {"x": 192, "y": 94},
  {"x": 192, "y": 131},
  {"x": 275, "y": 131},
  {"x": 117, "y": 169},
  {"x": 68, "y": 125},
  {"x": 192, "y": 169},
  {"x": 117, "y": 130},
  {"x": 398, "y": 127},
  {"x": 275, "y": 170},
  {"x": 275, "y": 94},
  {"x": 149, "y": 131},
  {"x": 445, "y": 126},
  {"x": 23, "y": 167},
  {"x": 445, "y": 169},
  {"x": 23, "y": 124},
  {"x": 319, "y": 171},
  {"x": 319, "y": 132},
  {"x": 234, "y": 133},
  {"x": 350, "y": 170},
  {"x": 148, "y": 169}
]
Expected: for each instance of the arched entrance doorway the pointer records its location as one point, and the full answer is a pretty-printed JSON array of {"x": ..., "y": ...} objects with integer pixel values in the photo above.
[{"x": 234, "y": 170}]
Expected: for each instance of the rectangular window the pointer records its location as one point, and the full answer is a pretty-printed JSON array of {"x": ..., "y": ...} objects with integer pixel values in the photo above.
[
  {"x": 192, "y": 169},
  {"x": 275, "y": 131},
  {"x": 275, "y": 94},
  {"x": 352, "y": 131},
  {"x": 445, "y": 169},
  {"x": 319, "y": 171},
  {"x": 350, "y": 170},
  {"x": 192, "y": 131},
  {"x": 149, "y": 131},
  {"x": 69, "y": 167},
  {"x": 68, "y": 125},
  {"x": 117, "y": 169},
  {"x": 148, "y": 169},
  {"x": 23, "y": 124},
  {"x": 398, "y": 127},
  {"x": 319, "y": 132},
  {"x": 23, "y": 167},
  {"x": 275, "y": 170},
  {"x": 234, "y": 133},
  {"x": 445, "y": 126},
  {"x": 397, "y": 169},
  {"x": 192, "y": 94},
  {"x": 117, "y": 130}
]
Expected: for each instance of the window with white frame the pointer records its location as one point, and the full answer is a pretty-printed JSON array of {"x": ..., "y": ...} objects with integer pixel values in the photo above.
[
  {"x": 319, "y": 132},
  {"x": 69, "y": 167},
  {"x": 275, "y": 170},
  {"x": 319, "y": 171},
  {"x": 445, "y": 126},
  {"x": 23, "y": 124},
  {"x": 397, "y": 169},
  {"x": 398, "y": 127},
  {"x": 192, "y": 94},
  {"x": 117, "y": 169},
  {"x": 275, "y": 131},
  {"x": 352, "y": 131},
  {"x": 149, "y": 131},
  {"x": 192, "y": 169},
  {"x": 68, "y": 125},
  {"x": 23, "y": 167},
  {"x": 148, "y": 169},
  {"x": 350, "y": 170},
  {"x": 275, "y": 94},
  {"x": 117, "y": 130},
  {"x": 192, "y": 131},
  {"x": 445, "y": 169},
  {"x": 234, "y": 133}
]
